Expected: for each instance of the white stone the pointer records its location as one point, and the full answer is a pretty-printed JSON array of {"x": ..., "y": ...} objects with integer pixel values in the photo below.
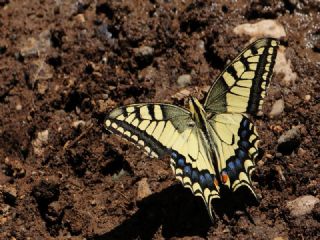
[
  {"x": 19, "y": 107},
  {"x": 40, "y": 142},
  {"x": 184, "y": 80},
  {"x": 277, "y": 108},
  {"x": 302, "y": 205},
  {"x": 263, "y": 28},
  {"x": 283, "y": 66}
]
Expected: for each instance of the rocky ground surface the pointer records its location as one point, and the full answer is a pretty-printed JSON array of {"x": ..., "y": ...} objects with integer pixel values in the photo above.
[{"x": 64, "y": 64}]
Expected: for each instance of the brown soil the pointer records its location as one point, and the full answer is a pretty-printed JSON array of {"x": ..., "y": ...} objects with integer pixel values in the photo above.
[{"x": 63, "y": 64}]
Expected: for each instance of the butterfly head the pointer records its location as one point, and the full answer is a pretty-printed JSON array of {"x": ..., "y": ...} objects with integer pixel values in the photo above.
[{"x": 197, "y": 111}]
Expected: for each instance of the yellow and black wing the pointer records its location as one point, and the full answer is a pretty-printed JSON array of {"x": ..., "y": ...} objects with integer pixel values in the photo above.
[
  {"x": 164, "y": 129},
  {"x": 236, "y": 147},
  {"x": 241, "y": 87}
]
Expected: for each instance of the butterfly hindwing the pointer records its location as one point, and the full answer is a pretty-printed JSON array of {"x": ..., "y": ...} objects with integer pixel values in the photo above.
[
  {"x": 241, "y": 87},
  {"x": 193, "y": 167},
  {"x": 164, "y": 129},
  {"x": 236, "y": 142}
]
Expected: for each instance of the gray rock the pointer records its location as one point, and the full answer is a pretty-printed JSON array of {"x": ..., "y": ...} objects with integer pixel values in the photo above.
[
  {"x": 143, "y": 55},
  {"x": 277, "y": 108},
  {"x": 184, "y": 80},
  {"x": 302, "y": 205},
  {"x": 289, "y": 141},
  {"x": 103, "y": 33}
]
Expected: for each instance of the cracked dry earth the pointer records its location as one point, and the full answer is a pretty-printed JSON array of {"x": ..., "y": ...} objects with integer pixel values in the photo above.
[{"x": 64, "y": 64}]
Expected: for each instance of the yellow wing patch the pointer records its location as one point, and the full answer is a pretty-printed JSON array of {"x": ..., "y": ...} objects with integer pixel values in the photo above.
[{"x": 241, "y": 87}]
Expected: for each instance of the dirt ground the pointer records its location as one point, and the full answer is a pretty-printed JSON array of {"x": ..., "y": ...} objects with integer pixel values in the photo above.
[{"x": 64, "y": 64}]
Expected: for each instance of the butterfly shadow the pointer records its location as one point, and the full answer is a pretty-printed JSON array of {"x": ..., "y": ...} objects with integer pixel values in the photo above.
[{"x": 175, "y": 211}]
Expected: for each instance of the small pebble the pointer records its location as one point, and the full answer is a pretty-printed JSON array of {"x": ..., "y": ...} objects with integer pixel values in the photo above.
[
  {"x": 143, "y": 189},
  {"x": 103, "y": 33},
  {"x": 18, "y": 107},
  {"x": 93, "y": 202},
  {"x": 143, "y": 55},
  {"x": 277, "y": 108},
  {"x": 280, "y": 172},
  {"x": 79, "y": 123},
  {"x": 289, "y": 141},
  {"x": 116, "y": 176},
  {"x": 40, "y": 142},
  {"x": 184, "y": 80},
  {"x": 148, "y": 75},
  {"x": 307, "y": 98},
  {"x": 301, "y": 152},
  {"x": 302, "y": 205},
  {"x": 80, "y": 18},
  {"x": 143, "y": 51}
]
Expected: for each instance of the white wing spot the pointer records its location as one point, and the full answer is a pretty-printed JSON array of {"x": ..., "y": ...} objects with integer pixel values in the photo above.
[{"x": 108, "y": 122}]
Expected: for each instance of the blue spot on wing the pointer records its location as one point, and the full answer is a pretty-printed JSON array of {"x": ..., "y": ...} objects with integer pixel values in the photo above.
[
  {"x": 195, "y": 176},
  {"x": 187, "y": 171},
  {"x": 244, "y": 134},
  {"x": 174, "y": 155},
  {"x": 244, "y": 144},
  {"x": 238, "y": 163},
  {"x": 245, "y": 123},
  {"x": 209, "y": 180},
  {"x": 202, "y": 181},
  {"x": 241, "y": 154},
  {"x": 231, "y": 165},
  {"x": 181, "y": 163}
]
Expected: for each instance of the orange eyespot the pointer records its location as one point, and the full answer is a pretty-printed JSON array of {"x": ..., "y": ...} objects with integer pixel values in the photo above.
[{"x": 224, "y": 177}]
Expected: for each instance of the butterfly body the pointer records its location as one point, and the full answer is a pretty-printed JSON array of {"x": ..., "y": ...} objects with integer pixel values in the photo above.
[
  {"x": 212, "y": 146},
  {"x": 200, "y": 117}
]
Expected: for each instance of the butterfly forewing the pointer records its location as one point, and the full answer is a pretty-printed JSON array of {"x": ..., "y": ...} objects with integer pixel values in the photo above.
[
  {"x": 241, "y": 87},
  {"x": 164, "y": 129}
]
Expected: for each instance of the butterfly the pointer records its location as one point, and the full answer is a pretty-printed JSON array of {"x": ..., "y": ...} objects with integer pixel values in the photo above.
[{"x": 214, "y": 145}]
